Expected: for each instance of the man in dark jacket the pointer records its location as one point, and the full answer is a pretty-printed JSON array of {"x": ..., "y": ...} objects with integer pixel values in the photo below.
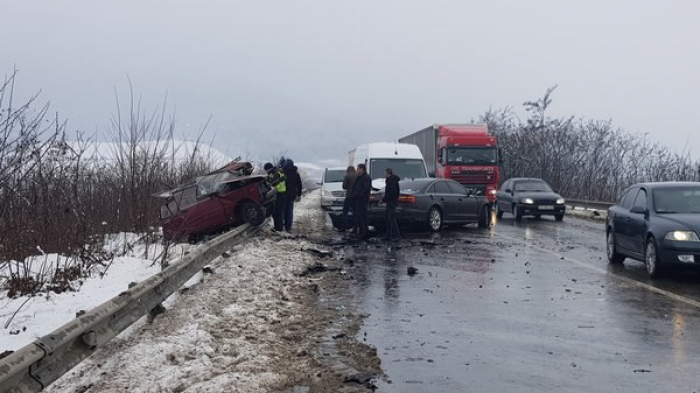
[
  {"x": 293, "y": 193},
  {"x": 391, "y": 199},
  {"x": 348, "y": 202},
  {"x": 360, "y": 194}
]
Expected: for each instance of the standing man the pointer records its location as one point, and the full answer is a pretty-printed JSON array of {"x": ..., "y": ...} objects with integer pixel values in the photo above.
[
  {"x": 361, "y": 193},
  {"x": 293, "y": 193},
  {"x": 349, "y": 201},
  {"x": 391, "y": 199},
  {"x": 277, "y": 180}
]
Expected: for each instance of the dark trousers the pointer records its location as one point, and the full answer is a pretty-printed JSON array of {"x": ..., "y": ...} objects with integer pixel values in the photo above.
[
  {"x": 289, "y": 214},
  {"x": 348, "y": 206},
  {"x": 392, "y": 225},
  {"x": 361, "y": 217},
  {"x": 278, "y": 214}
]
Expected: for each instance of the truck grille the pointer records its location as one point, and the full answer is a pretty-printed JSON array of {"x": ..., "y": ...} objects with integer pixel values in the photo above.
[{"x": 338, "y": 194}]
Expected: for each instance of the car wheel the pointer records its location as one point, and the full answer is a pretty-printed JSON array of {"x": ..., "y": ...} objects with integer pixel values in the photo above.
[
  {"x": 613, "y": 256},
  {"x": 499, "y": 212},
  {"x": 485, "y": 217},
  {"x": 434, "y": 219},
  {"x": 252, "y": 214},
  {"x": 559, "y": 217},
  {"x": 651, "y": 258},
  {"x": 518, "y": 213}
]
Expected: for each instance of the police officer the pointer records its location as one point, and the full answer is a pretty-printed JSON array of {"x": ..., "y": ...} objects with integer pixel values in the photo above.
[{"x": 277, "y": 179}]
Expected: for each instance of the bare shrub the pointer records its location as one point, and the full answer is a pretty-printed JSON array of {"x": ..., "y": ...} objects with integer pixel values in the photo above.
[
  {"x": 61, "y": 196},
  {"x": 587, "y": 159}
]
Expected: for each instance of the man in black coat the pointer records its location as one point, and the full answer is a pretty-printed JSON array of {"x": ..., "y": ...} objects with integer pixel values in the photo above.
[
  {"x": 293, "y": 194},
  {"x": 360, "y": 194},
  {"x": 391, "y": 199}
]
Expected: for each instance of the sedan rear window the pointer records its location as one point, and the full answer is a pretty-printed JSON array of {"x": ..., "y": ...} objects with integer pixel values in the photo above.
[{"x": 676, "y": 200}]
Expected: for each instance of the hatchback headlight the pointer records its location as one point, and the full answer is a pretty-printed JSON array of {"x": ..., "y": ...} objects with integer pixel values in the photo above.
[
  {"x": 527, "y": 201},
  {"x": 683, "y": 236},
  {"x": 561, "y": 201}
]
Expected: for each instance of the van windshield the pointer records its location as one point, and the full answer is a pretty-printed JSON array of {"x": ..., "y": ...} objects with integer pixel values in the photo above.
[
  {"x": 334, "y": 176},
  {"x": 405, "y": 168}
]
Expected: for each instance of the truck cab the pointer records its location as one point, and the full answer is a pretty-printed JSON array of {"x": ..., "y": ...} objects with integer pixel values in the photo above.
[{"x": 469, "y": 155}]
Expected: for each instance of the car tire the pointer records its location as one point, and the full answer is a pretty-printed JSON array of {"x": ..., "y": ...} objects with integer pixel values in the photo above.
[
  {"x": 252, "y": 214},
  {"x": 651, "y": 258},
  {"x": 614, "y": 257},
  {"x": 499, "y": 212},
  {"x": 559, "y": 217},
  {"x": 518, "y": 213},
  {"x": 434, "y": 219},
  {"x": 485, "y": 217}
]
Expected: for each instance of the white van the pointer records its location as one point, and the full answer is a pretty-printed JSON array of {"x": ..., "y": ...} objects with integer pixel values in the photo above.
[{"x": 405, "y": 159}]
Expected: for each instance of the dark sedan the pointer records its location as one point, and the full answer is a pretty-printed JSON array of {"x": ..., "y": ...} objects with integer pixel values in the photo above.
[
  {"x": 529, "y": 197},
  {"x": 433, "y": 203},
  {"x": 657, "y": 223}
]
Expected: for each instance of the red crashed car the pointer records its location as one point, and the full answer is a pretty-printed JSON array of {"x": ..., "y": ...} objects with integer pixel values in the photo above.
[{"x": 225, "y": 198}]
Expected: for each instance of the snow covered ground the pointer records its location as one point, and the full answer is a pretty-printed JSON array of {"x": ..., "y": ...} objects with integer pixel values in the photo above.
[
  {"x": 25, "y": 318},
  {"x": 244, "y": 328},
  {"x": 582, "y": 212}
]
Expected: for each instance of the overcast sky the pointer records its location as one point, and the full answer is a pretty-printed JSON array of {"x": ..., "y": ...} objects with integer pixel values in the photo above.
[{"x": 316, "y": 78}]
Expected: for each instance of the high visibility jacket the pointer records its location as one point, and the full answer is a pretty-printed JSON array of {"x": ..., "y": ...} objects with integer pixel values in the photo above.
[{"x": 277, "y": 179}]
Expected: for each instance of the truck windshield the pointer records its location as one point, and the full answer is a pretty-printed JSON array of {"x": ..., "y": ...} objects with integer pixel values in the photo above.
[
  {"x": 403, "y": 168},
  {"x": 334, "y": 176},
  {"x": 676, "y": 200},
  {"x": 471, "y": 156}
]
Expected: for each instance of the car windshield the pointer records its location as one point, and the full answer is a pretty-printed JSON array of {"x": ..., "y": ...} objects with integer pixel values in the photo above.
[
  {"x": 409, "y": 168},
  {"x": 532, "y": 186},
  {"x": 334, "y": 176},
  {"x": 209, "y": 184},
  {"x": 676, "y": 200},
  {"x": 471, "y": 156}
]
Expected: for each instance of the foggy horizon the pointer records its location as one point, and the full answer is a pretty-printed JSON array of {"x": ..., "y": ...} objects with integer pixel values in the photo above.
[{"x": 316, "y": 79}]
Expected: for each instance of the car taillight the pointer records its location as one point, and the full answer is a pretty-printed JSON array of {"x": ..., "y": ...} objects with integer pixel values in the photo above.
[{"x": 407, "y": 199}]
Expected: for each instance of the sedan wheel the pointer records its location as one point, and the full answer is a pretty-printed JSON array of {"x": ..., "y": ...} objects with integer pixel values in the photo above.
[
  {"x": 613, "y": 256},
  {"x": 499, "y": 212},
  {"x": 434, "y": 219},
  {"x": 517, "y": 213},
  {"x": 651, "y": 259}
]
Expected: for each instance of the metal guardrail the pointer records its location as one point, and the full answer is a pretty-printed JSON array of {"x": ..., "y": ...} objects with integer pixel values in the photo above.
[
  {"x": 37, "y": 365},
  {"x": 589, "y": 204}
]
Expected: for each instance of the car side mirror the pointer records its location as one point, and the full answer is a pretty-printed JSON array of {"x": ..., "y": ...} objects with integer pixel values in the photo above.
[
  {"x": 509, "y": 191},
  {"x": 638, "y": 210},
  {"x": 319, "y": 183}
]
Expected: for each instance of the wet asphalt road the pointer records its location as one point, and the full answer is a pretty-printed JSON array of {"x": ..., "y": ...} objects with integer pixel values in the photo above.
[{"x": 525, "y": 307}]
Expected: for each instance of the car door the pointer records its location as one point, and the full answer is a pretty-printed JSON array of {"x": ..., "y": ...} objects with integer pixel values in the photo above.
[
  {"x": 620, "y": 219},
  {"x": 467, "y": 202},
  {"x": 637, "y": 222},
  {"x": 503, "y": 198},
  {"x": 448, "y": 201}
]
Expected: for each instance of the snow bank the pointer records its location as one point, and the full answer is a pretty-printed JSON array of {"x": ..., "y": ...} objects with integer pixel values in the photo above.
[{"x": 25, "y": 318}]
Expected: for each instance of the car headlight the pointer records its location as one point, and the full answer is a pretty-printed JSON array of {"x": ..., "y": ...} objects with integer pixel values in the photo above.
[
  {"x": 527, "y": 201},
  {"x": 326, "y": 193},
  {"x": 683, "y": 236},
  {"x": 561, "y": 201}
]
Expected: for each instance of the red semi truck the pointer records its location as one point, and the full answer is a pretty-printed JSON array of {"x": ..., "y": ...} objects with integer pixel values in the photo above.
[{"x": 466, "y": 153}]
